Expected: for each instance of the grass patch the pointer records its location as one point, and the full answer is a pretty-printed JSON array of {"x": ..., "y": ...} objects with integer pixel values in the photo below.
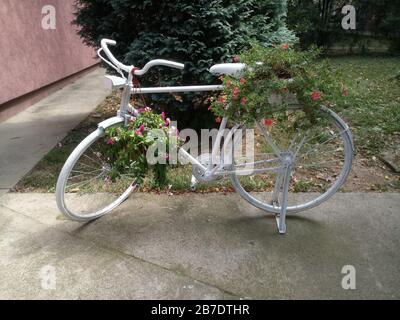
[{"x": 373, "y": 106}]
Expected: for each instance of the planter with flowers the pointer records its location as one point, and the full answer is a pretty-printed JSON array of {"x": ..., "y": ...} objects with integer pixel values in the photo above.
[
  {"x": 274, "y": 79},
  {"x": 126, "y": 146}
]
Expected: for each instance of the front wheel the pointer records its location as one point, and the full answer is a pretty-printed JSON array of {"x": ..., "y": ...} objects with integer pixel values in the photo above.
[
  {"x": 319, "y": 154},
  {"x": 85, "y": 189}
]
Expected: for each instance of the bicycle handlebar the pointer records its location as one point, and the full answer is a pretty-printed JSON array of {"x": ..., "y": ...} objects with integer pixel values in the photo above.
[
  {"x": 104, "y": 43},
  {"x": 140, "y": 72},
  {"x": 159, "y": 62}
]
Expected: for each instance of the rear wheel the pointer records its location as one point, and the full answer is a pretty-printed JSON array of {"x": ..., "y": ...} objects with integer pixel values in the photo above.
[
  {"x": 321, "y": 156},
  {"x": 85, "y": 189}
]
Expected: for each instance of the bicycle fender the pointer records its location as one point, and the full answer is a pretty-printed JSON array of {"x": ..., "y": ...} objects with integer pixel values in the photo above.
[{"x": 110, "y": 122}]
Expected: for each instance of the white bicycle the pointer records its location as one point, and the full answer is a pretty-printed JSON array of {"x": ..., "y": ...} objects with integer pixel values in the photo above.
[{"x": 285, "y": 160}]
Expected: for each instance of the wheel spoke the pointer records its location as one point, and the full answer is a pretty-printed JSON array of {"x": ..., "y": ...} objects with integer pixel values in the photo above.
[
  {"x": 95, "y": 161},
  {"x": 84, "y": 174},
  {"x": 325, "y": 142}
]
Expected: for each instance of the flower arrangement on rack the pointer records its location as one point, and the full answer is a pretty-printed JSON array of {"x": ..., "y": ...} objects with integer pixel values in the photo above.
[
  {"x": 273, "y": 79},
  {"x": 126, "y": 146}
]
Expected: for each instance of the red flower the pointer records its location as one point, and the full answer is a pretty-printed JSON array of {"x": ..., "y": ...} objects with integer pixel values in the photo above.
[
  {"x": 236, "y": 59},
  {"x": 285, "y": 46},
  {"x": 268, "y": 122},
  {"x": 235, "y": 92},
  {"x": 242, "y": 80},
  {"x": 221, "y": 99},
  {"x": 243, "y": 101},
  {"x": 316, "y": 95},
  {"x": 110, "y": 141},
  {"x": 218, "y": 119}
]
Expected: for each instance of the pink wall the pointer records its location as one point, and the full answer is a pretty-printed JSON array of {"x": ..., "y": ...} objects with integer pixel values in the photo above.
[{"x": 31, "y": 57}]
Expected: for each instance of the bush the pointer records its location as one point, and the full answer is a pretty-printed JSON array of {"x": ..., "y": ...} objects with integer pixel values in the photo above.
[{"x": 198, "y": 33}]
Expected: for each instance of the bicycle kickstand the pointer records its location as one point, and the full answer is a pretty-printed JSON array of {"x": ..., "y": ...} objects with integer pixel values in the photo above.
[{"x": 281, "y": 217}]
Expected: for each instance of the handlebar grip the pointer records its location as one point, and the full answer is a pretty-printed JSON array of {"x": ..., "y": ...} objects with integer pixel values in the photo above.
[{"x": 108, "y": 41}]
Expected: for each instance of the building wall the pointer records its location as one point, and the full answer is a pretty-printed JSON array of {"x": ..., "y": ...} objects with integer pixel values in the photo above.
[{"x": 32, "y": 57}]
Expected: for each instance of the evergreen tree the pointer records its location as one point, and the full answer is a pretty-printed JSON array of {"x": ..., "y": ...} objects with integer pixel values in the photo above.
[{"x": 198, "y": 33}]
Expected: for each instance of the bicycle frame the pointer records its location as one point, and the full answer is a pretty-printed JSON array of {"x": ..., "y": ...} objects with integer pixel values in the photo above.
[{"x": 213, "y": 169}]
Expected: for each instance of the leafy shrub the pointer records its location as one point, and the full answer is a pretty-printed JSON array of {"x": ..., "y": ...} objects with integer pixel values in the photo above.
[{"x": 198, "y": 33}]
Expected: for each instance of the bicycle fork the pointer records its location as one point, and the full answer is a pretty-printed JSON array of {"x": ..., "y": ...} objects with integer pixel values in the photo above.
[{"x": 282, "y": 186}]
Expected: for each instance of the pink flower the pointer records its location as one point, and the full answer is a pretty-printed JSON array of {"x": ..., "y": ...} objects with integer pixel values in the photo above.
[
  {"x": 209, "y": 108},
  {"x": 141, "y": 110},
  {"x": 141, "y": 128},
  {"x": 138, "y": 132},
  {"x": 242, "y": 81},
  {"x": 167, "y": 121},
  {"x": 221, "y": 99},
  {"x": 243, "y": 101},
  {"x": 268, "y": 122},
  {"x": 163, "y": 115},
  {"x": 316, "y": 95},
  {"x": 218, "y": 119},
  {"x": 235, "y": 92},
  {"x": 285, "y": 46},
  {"x": 110, "y": 141}
]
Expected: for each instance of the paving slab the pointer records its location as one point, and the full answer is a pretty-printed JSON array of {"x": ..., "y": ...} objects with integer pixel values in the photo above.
[
  {"x": 3, "y": 192},
  {"x": 226, "y": 244},
  {"x": 38, "y": 262},
  {"x": 29, "y": 135}
]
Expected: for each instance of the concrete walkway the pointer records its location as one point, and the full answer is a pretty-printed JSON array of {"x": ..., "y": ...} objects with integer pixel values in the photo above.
[
  {"x": 28, "y": 136},
  {"x": 199, "y": 246}
]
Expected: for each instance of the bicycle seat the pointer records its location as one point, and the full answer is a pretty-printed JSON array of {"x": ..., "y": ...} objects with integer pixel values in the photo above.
[{"x": 231, "y": 69}]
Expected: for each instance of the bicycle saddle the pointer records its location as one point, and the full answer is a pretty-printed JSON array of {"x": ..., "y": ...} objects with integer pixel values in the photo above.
[{"x": 231, "y": 69}]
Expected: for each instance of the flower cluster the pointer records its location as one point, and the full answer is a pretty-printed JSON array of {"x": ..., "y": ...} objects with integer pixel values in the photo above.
[
  {"x": 126, "y": 146},
  {"x": 282, "y": 72}
]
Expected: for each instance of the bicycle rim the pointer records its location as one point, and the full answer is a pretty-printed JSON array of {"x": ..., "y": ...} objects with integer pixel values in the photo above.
[{"x": 85, "y": 190}]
